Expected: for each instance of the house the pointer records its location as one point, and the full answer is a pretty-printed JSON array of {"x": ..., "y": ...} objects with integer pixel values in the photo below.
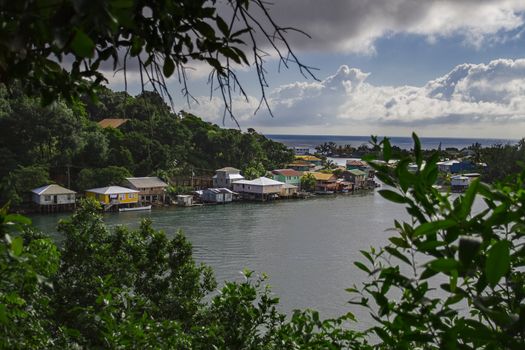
[
  {"x": 325, "y": 182},
  {"x": 459, "y": 183},
  {"x": 54, "y": 198},
  {"x": 301, "y": 151},
  {"x": 114, "y": 196},
  {"x": 261, "y": 188},
  {"x": 185, "y": 200},
  {"x": 151, "y": 189},
  {"x": 288, "y": 190},
  {"x": 225, "y": 177},
  {"x": 310, "y": 159},
  {"x": 288, "y": 176},
  {"x": 356, "y": 164},
  {"x": 357, "y": 177},
  {"x": 217, "y": 195},
  {"x": 446, "y": 165},
  {"x": 344, "y": 186},
  {"x": 112, "y": 123},
  {"x": 301, "y": 165}
]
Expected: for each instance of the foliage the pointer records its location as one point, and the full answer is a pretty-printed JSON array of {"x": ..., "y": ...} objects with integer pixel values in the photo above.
[
  {"x": 308, "y": 182},
  {"x": 501, "y": 160},
  {"x": 452, "y": 278},
  {"x": 254, "y": 170},
  {"x": 57, "y": 48},
  {"x": 15, "y": 187},
  {"x": 91, "y": 178}
]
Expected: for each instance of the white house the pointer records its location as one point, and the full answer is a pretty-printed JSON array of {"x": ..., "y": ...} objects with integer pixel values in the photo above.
[
  {"x": 225, "y": 177},
  {"x": 261, "y": 188},
  {"x": 217, "y": 195},
  {"x": 445, "y": 166},
  {"x": 459, "y": 183},
  {"x": 54, "y": 196}
]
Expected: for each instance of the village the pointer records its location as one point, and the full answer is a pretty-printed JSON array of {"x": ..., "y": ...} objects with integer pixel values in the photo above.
[{"x": 307, "y": 176}]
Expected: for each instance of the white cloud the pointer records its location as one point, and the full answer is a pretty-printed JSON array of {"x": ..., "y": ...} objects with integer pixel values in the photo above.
[
  {"x": 487, "y": 98},
  {"x": 352, "y": 26}
]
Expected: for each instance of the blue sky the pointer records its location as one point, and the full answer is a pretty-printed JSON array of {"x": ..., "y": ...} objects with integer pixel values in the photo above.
[{"x": 441, "y": 68}]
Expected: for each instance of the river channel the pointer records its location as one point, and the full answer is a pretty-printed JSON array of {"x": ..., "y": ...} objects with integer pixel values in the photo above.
[{"x": 307, "y": 247}]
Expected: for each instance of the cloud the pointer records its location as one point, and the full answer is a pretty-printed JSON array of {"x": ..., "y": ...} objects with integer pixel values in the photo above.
[
  {"x": 353, "y": 26},
  {"x": 470, "y": 94}
]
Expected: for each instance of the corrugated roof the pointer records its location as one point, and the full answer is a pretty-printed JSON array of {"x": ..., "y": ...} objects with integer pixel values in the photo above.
[
  {"x": 52, "y": 190},
  {"x": 220, "y": 190},
  {"x": 261, "y": 181},
  {"x": 112, "y": 190},
  {"x": 146, "y": 182},
  {"x": 112, "y": 122},
  {"x": 309, "y": 158},
  {"x": 287, "y": 172},
  {"x": 323, "y": 176},
  {"x": 229, "y": 169},
  {"x": 355, "y": 162},
  {"x": 357, "y": 172}
]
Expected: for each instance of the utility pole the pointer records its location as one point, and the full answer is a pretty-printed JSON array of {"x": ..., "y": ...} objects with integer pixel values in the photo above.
[{"x": 68, "y": 177}]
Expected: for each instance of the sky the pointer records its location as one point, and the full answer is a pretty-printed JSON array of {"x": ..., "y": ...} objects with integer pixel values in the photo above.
[{"x": 385, "y": 67}]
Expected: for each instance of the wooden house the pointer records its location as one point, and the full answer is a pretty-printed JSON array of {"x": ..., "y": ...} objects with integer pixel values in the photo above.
[
  {"x": 52, "y": 198},
  {"x": 357, "y": 177},
  {"x": 288, "y": 190},
  {"x": 151, "y": 189},
  {"x": 217, "y": 195},
  {"x": 225, "y": 177},
  {"x": 325, "y": 182},
  {"x": 261, "y": 188},
  {"x": 185, "y": 200},
  {"x": 114, "y": 196},
  {"x": 301, "y": 165},
  {"x": 288, "y": 176},
  {"x": 310, "y": 159}
]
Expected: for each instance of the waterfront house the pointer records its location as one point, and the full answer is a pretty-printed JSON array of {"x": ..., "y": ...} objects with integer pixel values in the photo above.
[
  {"x": 459, "y": 183},
  {"x": 288, "y": 176},
  {"x": 261, "y": 188},
  {"x": 151, "y": 189},
  {"x": 225, "y": 177},
  {"x": 53, "y": 198},
  {"x": 325, "y": 182},
  {"x": 301, "y": 165},
  {"x": 112, "y": 123},
  {"x": 217, "y": 195},
  {"x": 357, "y": 177},
  {"x": 185, "y": 200},
  {"x": 288, "y": 190},
  {"x": 310, "y": 159},
  {"x": 114, "y": 196},
  {"x": 344, "y": 186}
]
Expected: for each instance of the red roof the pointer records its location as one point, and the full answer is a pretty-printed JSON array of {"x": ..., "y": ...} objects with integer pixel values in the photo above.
[
  {"x": 287, "y": 172},
  {"x": 112, "y": 122},
  {"x": 355, "y": 163}
]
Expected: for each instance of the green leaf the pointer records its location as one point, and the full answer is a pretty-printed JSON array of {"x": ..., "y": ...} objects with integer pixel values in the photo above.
[
  {"x": 17, "y": 245},
  {"x": 362, "y": 266},
  {"x": 168, "y": 67},
  {"x": 433, "y": 226},
  {"x": 82, "y": 45},
  {"x": 443, "y": 265},
  {"x": 392, "y": 196},
  {"x": 468, "y": 248},
  {"x": 417, "y": 150},
  {"x": 498, "y": 262},
  {"x": 387, "y": 149},
  {"x": 223, "y": 27},
  {"x": 397, "y": 254},
  {"x": 468, "y": 199}
]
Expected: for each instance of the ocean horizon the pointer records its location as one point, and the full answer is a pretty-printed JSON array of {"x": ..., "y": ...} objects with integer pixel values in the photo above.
[{"x": 403, "y": 142}]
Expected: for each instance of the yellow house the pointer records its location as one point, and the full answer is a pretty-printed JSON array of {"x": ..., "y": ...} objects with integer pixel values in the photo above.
[{"x": 113, "y": 195}]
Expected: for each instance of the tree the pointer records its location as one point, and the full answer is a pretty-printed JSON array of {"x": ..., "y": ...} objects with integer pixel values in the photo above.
[
  {"x": 16, "y": 187},
  {"x": 308, "y": 182},
  {"x": 58, "y": 48},
  {"x": 91, "y": 178},
  {"x": 254, "y": 170}
]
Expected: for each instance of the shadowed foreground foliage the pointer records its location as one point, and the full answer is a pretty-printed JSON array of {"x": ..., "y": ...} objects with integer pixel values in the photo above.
[{"x": 451, "y": 277}]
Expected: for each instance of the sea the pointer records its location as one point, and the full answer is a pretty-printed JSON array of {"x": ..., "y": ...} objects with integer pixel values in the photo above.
[{"x": 402, "y": 142}]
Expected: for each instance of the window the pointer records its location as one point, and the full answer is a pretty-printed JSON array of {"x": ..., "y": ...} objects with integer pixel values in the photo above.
[
  {"x": 122, "y": 196},
  {"x": 47, "y": 198}
]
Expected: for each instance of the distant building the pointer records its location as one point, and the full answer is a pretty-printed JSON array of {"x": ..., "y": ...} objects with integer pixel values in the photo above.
[
  {"x": 357, "y": 177},
  {"x": 114, "y": 196},
  {"x": 225, "y": 177},
  {"x": 301, "y": 165},
  {"x": 310, "y": 159},
  {"x": 459, "y": 183},
  {"x": 54, "y": 198},
  {"x": 288, "y": 190},
  {"x": 217, "y": 195},
  {"x": 288, "y": 176},
  {"x": 261, "y": 188},
  {"x": 301, "y": 151},
  {"x": 151, "y": 189},
  {"x": 185, "y": 200},
  {"x": 112, "y": 123},
  {"x": 325, "y": 182},
  {"x": 352, "y": 164}
]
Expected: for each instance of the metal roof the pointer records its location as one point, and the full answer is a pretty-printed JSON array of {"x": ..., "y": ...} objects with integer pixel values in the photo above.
[
  {"x": 261, "y": 181},
  {"x": 357, "y": 172},
  {"x": 51, "y": 190},
  {"x": 287, "y": 172},
  {"x": 220, "y": 190},
  {"x": 146, "y": 182},
  {"x": 112, "y": 190},
  {"x": 229, "y": 169},
  {"x": 112, "y": 122}
]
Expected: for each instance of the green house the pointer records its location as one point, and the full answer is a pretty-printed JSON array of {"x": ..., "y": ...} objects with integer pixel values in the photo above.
[{"x": 288, "y": 176}]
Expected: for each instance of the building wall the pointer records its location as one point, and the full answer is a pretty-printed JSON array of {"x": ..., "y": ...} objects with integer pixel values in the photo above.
[
  {"x": 122, "y": 198},
  {"x": 50, "y": 199},
  {"x": 257, "y": 188}
]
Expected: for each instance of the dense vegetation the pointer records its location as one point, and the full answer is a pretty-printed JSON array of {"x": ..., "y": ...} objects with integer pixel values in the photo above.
[
  {"x": 450, "y": 278},
  {"x": 41, "y": 143}
]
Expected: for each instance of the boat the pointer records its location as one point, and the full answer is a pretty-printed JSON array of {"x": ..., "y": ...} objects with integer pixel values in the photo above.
[
  {"x": 324, "y": 192},
  {"x": 147, "y": 207}
]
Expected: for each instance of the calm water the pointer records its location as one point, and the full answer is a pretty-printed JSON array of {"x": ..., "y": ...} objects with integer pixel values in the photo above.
[
  {"x": 306, "y": 246},
  {"x": 402, "y": 142}
]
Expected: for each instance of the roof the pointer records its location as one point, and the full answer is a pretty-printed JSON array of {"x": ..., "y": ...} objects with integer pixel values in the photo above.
[
  {"x": 355, "y": 162},
  {"x": 299, "y": 162},
  {"x": 51, "y": 190},
  {"x": 448, "y": 162},
  {"x": 289, "y": 186},
  {"x": 220, "y": 190},
  {"x": 112, "y": 190},
  {"x": 235, "y": 176},
  {"x": 146, "y": 182},
  {"x": 287, "y": 172},
  {"x": 229, "y": 170},
  {"x": 261, "y": 181},
  {"x": 309, "y": 158},
  {"x": 112, "y": 122},
  {"x": 357, "y": 172},
  {"x": 323, "y": 176}
]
